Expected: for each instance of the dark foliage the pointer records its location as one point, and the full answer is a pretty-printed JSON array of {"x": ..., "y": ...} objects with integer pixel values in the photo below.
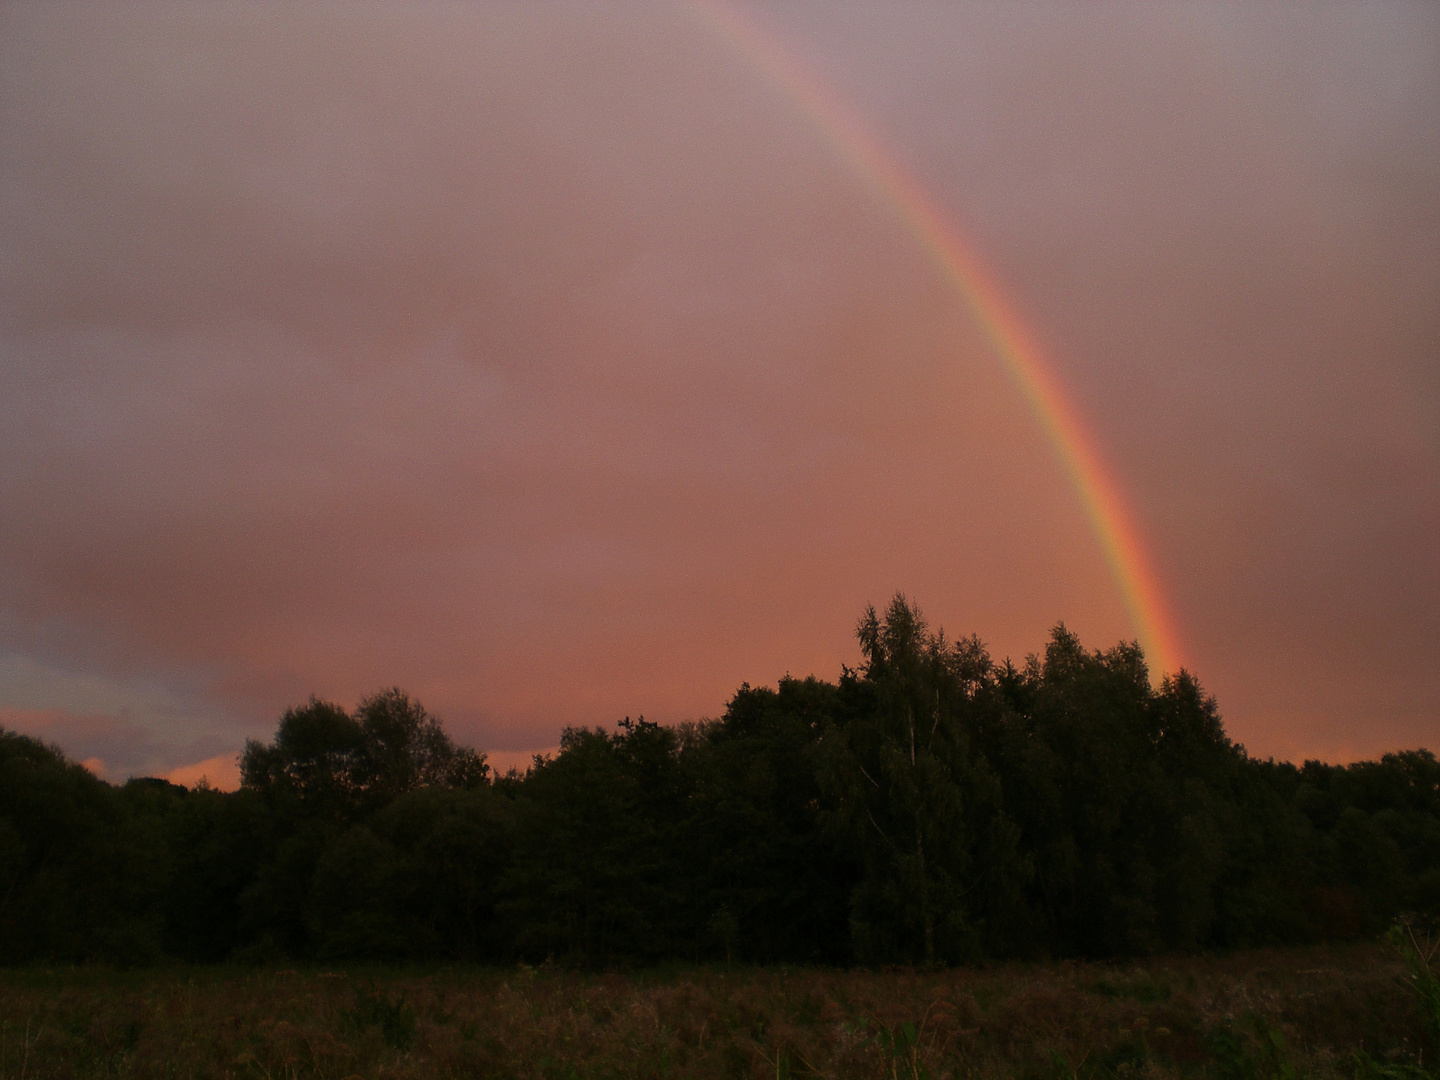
[{"x": 931, "y": 807}]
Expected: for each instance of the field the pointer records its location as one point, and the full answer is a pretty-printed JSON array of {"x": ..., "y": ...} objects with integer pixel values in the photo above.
[{"x": 1322, "y": 1012}]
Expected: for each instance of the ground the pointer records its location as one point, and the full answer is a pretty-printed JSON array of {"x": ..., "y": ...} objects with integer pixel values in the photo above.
[{"x": 1325, "y": 1011}]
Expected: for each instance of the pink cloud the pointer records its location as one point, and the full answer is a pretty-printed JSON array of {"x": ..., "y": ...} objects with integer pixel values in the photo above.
[{"x": 221, "y": 772}]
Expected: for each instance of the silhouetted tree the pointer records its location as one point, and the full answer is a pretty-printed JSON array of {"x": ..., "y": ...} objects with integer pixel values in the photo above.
[
  {"x": 325, "y": 762},
  {"x": 772, "y": 882},
  {"x": 920, "y": 805},
  {"x": 932, "y": 806},
  {"x": 79, "y": 879}
]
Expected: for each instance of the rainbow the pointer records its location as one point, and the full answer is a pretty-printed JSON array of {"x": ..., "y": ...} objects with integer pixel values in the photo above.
[{"x": 1110, "y": 519}]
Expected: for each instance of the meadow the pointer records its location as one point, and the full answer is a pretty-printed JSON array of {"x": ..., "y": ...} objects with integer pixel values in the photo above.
[{"x": 1315, "y": 1011}]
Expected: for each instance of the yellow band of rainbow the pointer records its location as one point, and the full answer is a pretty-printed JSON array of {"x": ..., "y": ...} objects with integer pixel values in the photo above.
[{"x": 1100, "y": 497}]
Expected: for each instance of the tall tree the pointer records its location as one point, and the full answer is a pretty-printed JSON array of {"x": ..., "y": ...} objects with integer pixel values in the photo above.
[{"x": 921, "y": 805}]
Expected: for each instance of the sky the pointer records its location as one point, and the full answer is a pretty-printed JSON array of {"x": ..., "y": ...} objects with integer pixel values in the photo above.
[{"x": 556, "y": 363}]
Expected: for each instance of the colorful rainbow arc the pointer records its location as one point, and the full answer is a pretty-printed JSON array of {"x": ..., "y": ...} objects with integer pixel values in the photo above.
[{"x": 1100, "y": 497}]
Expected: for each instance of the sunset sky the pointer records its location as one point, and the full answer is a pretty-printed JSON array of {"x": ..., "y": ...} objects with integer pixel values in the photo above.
[{"x": 559, "y": 362}]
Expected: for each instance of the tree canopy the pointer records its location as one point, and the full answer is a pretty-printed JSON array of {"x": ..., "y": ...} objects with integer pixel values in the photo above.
[{"x": 931, "y": 806}]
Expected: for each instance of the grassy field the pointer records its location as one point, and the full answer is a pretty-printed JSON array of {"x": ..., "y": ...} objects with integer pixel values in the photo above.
[{"x": 1322, "y": 1012}]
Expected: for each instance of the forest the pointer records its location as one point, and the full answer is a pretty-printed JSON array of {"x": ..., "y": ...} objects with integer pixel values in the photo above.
[{"x": 933, "y": 807}]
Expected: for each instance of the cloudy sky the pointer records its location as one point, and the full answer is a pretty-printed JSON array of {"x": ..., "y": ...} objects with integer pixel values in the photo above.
[{"x": 552, "y": 362}]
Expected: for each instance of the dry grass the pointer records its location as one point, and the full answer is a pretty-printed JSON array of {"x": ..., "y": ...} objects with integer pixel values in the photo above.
[{"x": 1270, "y": 1013}]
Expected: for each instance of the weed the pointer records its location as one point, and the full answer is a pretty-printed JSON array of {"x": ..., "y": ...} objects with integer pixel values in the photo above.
[
  {"x": 1042, "y": 1021},
  {"x": 790, "y": 1066},
  {"x": 1419, "y": 946},
  {"x": 899, "y": 1048},
  {"x": 1126, "y": 1058},
  {"x": 1367, "y": 1068},
  {"x": 806, "y": 1012},
  {"x": 1143, "y": 989},
  {"x": 1260, "y": 1053},
  {"x": 395, "y": 1019}
]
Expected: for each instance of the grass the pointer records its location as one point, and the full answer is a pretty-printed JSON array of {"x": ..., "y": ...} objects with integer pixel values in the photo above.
[{"x": 1346, "y": 1011}]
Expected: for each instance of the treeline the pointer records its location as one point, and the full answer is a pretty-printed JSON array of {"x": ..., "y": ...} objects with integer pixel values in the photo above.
[{"x": 932, "y": 806}]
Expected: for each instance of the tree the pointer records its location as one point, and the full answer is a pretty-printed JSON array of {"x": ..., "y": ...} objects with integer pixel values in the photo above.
[
  {"x": 589, "y": 879},
  {"x": 330, "y": 763},
  {"x": 921, "y": 806},
  {"x": 323, "y": 777},
  {"x": 79, "y": 877},
  {"x": 770, "y": 884},
  {"x": 310, "y": 765}
]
